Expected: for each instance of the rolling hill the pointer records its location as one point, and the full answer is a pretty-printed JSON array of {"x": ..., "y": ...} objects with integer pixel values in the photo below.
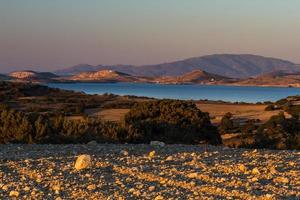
[
  {"x": 194, "y": 77},
  {"x": 229, "y": 65},
  {"x": 33, "y": 76},
  {"x": 278, "y": 78},
  {"x": 105, "y": 76}
]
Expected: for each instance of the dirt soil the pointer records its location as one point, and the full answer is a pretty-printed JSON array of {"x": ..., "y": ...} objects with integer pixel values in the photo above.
[{"x": 147, "y": 172}]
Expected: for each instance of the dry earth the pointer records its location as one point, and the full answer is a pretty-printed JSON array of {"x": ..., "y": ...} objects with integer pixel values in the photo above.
[
  {"x": 240, "y": 112},
  {"x": 147, "y": 172}
]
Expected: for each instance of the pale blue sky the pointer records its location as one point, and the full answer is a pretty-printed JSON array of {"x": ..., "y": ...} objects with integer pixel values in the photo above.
[{"x": 47, "y": 35}]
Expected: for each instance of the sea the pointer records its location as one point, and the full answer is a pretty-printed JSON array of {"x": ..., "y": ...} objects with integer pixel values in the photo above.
[{"x": 247, "y": 94}]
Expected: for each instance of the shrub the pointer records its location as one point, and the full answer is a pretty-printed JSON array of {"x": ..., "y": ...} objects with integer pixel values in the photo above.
[
  {"x": 278, "y": 133},
  {"x": 226, "y": 124},
  {"x": 170, "y": 121},
  {"x": 270, "y": 107}
]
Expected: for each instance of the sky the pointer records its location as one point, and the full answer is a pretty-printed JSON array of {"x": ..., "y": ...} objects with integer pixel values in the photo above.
[{"x": 49, "y": 35}]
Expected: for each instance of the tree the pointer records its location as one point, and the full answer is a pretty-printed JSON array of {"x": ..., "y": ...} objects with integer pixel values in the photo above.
[
  {"x": 170, "y": 121},
  {"x": 226, "y": 124},
  {"x": 279, "y": 132}
]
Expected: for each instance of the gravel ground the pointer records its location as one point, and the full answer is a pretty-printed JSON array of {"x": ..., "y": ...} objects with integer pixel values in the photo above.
[{"x": 147, "y": 172}]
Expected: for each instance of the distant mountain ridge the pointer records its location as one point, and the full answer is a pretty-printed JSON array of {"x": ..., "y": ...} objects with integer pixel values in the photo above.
[{"x": 229, "y": 65}]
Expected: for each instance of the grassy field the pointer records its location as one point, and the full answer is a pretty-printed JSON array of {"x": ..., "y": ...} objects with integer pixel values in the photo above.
[{"x": 240, "y": 112}]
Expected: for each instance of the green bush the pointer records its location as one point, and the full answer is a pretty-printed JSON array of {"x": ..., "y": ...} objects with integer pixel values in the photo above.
[
  {"x": 226, "y": 125},
  {"x": 278, "y": 132},
  {"x": 169, "y": 121}
]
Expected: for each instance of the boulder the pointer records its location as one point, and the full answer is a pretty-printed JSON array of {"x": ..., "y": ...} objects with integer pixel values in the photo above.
[{"x": 83, "y": 161}]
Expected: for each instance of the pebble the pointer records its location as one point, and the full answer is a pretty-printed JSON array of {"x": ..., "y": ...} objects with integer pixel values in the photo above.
[
  {"x": 91, "y": 187},
  {"x": 220, "y": 173},
  {"x": 255, "y": 171},
  {"x": 151, "y": 188},
  {"x": 151, "y": 154},
  {"x": 14, "y": 193}
]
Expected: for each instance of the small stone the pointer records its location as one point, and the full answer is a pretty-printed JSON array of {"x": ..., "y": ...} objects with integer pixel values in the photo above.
[
  {"x": 254, "y": 179},
  {"x": 131, "y": 190},
  {"x": 56, "y": 187},
  {"x": 14, "y": 193},
  {"x": 137, "y": 193},
  {"x": 91, "y": 187},
  {"x": 5, "y": 187},
  {"x": 291, "y": 163},
  {"x": 242, "y": 168},
  {"x": 83, "y": 161},
  {"x": 159, "y": 197},
  {"x": 151, "y": 188},
  {"x": 169, "y": 158},
  {"x": 281, "y": 180},
  {"x": 255, "y": 171},
  {"x": 152, "y": 154},
  {"x": 192, "y": 175},
  {"x": 92, "y": 143},
  {"x": 268, "y": 196},
  {"x": 193, "y": 184},
  {"x": 273, "y": 170},
  {"x": 26, "y": 189},
  {"x": 124, "y": 153}
]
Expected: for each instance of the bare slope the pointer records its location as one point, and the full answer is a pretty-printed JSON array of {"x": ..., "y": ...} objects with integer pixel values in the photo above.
[
  {"x": 33, "y": 76},
  {"x": 194, "y": 77},
  {"x": 278, "y": 78},
  {"x": 105, "y": 76}
]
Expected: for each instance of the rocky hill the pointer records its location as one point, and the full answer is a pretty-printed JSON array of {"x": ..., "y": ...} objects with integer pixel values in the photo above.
[
  {"x": 105, "y": 76},
  {"x": 230, "y": 65},
  {"x": 194, "y": 77},
  {"x": 33, "y": 76},
  {"x": 278, "y": 78}
]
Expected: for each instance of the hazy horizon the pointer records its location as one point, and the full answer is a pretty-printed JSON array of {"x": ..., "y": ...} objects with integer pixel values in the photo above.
[{"x": 51, "y": 35}]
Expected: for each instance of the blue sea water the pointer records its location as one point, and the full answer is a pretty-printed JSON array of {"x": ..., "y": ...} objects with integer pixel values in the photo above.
[{"x": 184, "y": 92}]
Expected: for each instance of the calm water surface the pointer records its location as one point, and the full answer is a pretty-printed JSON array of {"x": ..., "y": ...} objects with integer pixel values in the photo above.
[{"x": 184, "y": 92}]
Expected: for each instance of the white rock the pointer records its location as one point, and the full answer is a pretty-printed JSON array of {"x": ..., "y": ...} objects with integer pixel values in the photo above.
[
  {"x": 124, "y": 153},
  {"x": 83, "y": 161},
  {"x": 169, "y": 158},
  {"x": 92, "y": 143},
  {"x": 157, "y": 143}
]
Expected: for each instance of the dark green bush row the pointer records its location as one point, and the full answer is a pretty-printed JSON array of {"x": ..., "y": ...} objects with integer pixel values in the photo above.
[{"x": 167, "y": 121}]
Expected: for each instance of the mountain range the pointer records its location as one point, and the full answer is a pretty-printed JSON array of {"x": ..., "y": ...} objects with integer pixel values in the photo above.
[
  {"x": 229, "y": 65},
  {"x": 226, "y": 69}
]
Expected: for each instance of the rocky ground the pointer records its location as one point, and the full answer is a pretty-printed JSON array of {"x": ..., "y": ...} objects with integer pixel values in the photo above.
[{"x": 147, "y": 172}]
